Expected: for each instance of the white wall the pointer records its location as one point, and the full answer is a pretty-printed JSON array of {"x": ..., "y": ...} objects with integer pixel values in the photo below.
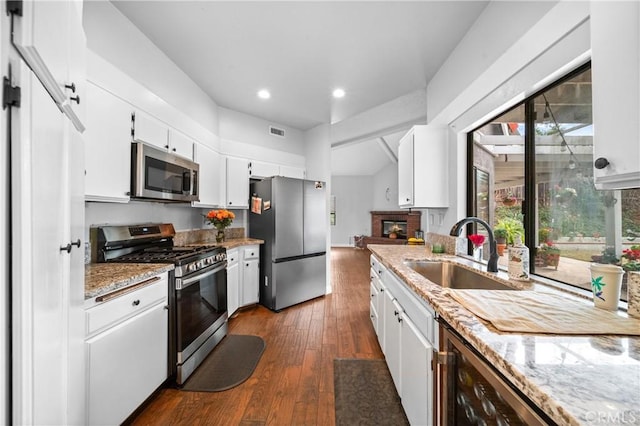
[{"x": 354, "y": 202}]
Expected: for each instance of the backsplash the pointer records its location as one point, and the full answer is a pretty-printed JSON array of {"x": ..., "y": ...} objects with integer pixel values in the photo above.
[
  {"x": 447, "y": 241},
  {"x": 183, "y": 238}
]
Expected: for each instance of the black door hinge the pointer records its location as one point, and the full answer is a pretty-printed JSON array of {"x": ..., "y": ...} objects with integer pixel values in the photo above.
[
  {"x": 10, "y": 94},
  {"x": 14, "y": 7}
]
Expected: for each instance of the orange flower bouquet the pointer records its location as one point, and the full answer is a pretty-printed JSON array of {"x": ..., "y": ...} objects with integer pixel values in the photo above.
[{"x": 220, "y": 219}]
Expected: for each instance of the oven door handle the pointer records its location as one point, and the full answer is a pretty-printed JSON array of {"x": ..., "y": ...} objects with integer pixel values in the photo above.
[{"x": 180, "y": 284}]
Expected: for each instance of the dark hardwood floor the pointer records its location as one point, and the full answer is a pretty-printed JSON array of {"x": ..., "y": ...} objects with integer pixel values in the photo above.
[{"x": 293, "y": 382}]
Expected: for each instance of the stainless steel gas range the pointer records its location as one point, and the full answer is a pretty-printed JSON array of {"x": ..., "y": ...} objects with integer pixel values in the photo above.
[{"x": 197, "y": 290}]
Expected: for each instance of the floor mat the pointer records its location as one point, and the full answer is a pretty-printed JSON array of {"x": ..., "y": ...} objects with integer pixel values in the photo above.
[
  {"x": 365, "y": 393},
  {"x": 228, "y": 365}
]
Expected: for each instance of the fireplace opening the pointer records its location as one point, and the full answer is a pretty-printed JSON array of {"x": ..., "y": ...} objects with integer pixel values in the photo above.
[{"x": 394, "y": 229}]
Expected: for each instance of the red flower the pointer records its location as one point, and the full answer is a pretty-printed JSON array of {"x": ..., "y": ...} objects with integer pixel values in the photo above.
[{"x": 476, "y": 239}]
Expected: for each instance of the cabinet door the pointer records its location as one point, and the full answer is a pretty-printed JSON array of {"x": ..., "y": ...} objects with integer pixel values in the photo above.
[
  {"x": 126, "y": 364},
  {"x": 108, "y": 146},
  {"x": 392, "y": 337},
  {"x": 292, "y": 172},
  {"x": 615, "y": 43},
  {"x": 180, "y": 144},
  {"x": 233, "y": 282},
  {"x": 416, "y": 375},
  {"x": 250, "y": 282},
  {"x": 405, "y": 171},
  {"x": 210, "y": 191},
  {"x": 150, "y": 130},
  {"x": 237, "y": 183},
  {"x": 261, "y": 169}
]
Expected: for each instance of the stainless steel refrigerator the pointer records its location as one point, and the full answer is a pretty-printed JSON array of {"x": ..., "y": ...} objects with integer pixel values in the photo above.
[{"x": 290, "y": 215}]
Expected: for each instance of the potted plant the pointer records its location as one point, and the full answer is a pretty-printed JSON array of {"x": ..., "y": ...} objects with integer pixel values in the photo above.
[
  {"x": 501, "y": 239},
  {"x": 220, "y": 219},
  {"x": 509, "y": 199},
  {"x": 630, "y": 260},
  {"x": 547, "y": 254},
  {"x": 512, "y": 226}
]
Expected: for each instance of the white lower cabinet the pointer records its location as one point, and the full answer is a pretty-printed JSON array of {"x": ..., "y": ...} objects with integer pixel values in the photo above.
[
  {"x": 250, "y": 287},
  {"x": 406, "y": 330},
  {"x": 416, "y": 375},
  {"x": 392, "y": 337},
  {"x": 126, "y": 351},
  {"x": 233, "y": 281}
]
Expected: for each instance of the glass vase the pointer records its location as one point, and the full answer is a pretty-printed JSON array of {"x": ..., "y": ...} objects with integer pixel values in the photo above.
[
  {"x": 477, "y": 254},
  {"x": 220, "y": 236}
]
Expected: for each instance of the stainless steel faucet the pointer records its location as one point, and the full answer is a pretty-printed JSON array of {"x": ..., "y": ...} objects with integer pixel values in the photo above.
[{"x": 492, "y": 264}]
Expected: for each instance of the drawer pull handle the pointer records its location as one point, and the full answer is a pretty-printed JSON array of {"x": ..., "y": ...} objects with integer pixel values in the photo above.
[
  {"x": 136, "y": 302},
  {"x": 126, "y": 290}
]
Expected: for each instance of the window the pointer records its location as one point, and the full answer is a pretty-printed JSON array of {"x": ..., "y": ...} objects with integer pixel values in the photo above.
[{"x": 542, "y": 151}]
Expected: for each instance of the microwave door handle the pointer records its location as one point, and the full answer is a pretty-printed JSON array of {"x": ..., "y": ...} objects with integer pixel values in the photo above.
[{"x": 186, "y": 182}]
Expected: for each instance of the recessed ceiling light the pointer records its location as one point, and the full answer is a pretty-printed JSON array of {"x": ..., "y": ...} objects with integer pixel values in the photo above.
[
  {"x": 264, "y": 94},
  {"x": 338, "y": 93}
]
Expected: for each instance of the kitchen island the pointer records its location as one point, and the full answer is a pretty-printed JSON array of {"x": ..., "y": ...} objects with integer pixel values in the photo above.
[{"x": 574, "y": 379}]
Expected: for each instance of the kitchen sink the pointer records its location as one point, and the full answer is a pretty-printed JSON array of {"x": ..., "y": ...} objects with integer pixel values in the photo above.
[{"x": 451, "y": 275}]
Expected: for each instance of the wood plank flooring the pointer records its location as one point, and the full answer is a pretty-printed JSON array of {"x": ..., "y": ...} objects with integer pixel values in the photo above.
[{"x": 293, "y": 382}]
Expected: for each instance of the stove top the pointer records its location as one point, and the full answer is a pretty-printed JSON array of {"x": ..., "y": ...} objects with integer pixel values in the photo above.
[{"x": 164, "y": 254}]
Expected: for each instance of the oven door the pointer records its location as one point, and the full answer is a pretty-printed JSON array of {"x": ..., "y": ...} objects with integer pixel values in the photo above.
[{"x": 201, "y": 308}]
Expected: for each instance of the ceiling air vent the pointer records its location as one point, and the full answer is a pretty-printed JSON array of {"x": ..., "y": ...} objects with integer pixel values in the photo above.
[{"x": 276, "y": 132}]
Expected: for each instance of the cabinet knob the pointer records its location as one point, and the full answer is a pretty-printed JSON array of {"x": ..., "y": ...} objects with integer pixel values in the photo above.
[
  {"x": 71, "y": 86},
  {"x": 136, "y": 302},
  {"x": 70, "y": 245},
  {"x": 174, "y": 150},
  {"x": 76, "y": 99},
  {"x": 601, "y": 163},
  {"x": 166, "y": 146}
]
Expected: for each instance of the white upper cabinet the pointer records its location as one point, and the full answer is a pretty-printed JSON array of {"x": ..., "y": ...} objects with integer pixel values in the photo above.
[
  {"x": 150, "y": 130},
  {"x": 261, "y": 169},
  {"x": 293, "y": 172},
  {"x": 210, "y": 161},
  {"x": 423, "y": 168},
  {"x": 154, "y": 132},
  {"x": 615, "y": 67},
  {"x": 237, "y": 183},
  {"x": 108, "y": 146},
  {"x": 180, "y": 144}
]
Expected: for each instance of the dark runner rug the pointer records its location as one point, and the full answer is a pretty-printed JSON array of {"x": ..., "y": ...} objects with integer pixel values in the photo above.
[
  {"x": 365, "y": 393},
  {"x": 228, "y": 365}
]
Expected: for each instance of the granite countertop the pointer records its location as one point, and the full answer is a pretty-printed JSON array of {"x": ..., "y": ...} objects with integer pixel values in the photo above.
[
  {"x": 103, "y": 278},
  {"x": 573, "y": 379}
]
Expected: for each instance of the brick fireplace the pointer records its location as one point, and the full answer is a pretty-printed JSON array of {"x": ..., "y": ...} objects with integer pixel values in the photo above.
[{"x": 381, "y": 218}]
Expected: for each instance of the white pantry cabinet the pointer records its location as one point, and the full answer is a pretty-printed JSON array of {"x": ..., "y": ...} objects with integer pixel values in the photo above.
[
  {"x": 615, "y": 68},
  {"x": 47, "y": 163},
  {"x": 423, "y": 168},
  {"x": 210, "y": 161},
  {"x": 126, "y": 350},
  {"x": 237, "y": 183},
  {"x": 108, "y": 146},
  {"x": 250, "y": 287},
  {"x": 233, "y": 281}
]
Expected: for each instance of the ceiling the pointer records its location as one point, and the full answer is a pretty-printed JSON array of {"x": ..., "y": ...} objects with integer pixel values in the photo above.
[{"x": 301, "y": 51}]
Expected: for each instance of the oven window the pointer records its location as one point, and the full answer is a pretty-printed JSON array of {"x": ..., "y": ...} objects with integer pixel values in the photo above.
[
  {"x": 199, "y": 306},
  {"x": 166, "y": 177}
]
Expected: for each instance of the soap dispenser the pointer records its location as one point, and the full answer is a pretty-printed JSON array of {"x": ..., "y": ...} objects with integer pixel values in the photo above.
[{"x": 518, "y": 260}]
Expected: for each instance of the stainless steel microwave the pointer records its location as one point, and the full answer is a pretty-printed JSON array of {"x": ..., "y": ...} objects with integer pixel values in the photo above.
[{"x": 163, "y": 176}]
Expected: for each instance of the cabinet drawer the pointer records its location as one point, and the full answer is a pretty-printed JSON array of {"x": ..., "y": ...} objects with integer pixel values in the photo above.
[
  {"x": 121, "y": 307},
  {"x": 232, "y": 256},
  {"x": 251, "y": 253}
]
